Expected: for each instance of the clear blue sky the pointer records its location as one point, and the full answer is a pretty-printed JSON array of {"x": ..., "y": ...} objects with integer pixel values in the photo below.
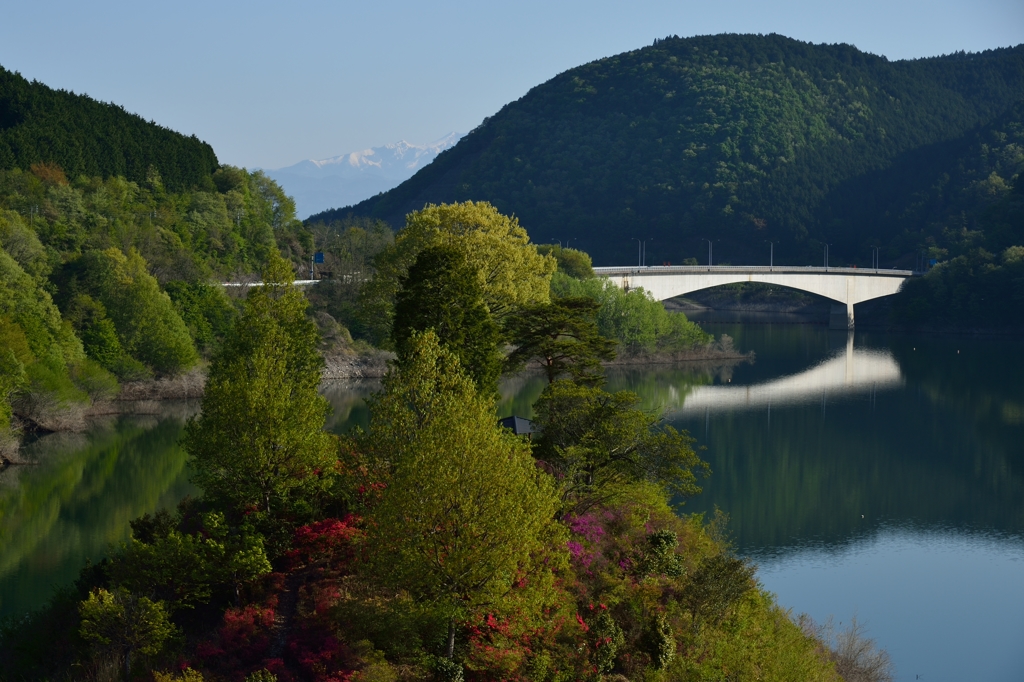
[{"x": 269, "y": 84}]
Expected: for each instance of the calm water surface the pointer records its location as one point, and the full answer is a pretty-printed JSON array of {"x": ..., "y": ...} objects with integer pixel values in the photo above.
[{"x": 874, "y": 475}]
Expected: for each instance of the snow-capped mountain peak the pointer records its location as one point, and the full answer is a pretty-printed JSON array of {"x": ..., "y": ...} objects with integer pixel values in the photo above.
[{"x": 346, "y": 179}]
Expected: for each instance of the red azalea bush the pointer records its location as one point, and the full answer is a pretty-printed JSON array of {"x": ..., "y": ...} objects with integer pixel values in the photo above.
[{"x": 327, "y": 543}]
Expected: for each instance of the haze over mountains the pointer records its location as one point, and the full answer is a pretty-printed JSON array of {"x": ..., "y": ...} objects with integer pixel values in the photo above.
[
  {"x": 317, "y": 185},
  {"x": 742, "y": 139}
]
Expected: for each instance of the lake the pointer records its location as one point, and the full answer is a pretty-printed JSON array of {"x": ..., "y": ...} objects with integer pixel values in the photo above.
[{"x": 871, "y": 475}]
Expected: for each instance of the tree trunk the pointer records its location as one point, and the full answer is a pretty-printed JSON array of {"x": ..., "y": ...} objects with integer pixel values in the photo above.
[{"x": 451, "y": 639}]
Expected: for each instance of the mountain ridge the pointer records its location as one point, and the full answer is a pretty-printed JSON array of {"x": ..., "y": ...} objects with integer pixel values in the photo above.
[
  {"x": 84, "y": 136},
  {"x": 739, "y": 138}
]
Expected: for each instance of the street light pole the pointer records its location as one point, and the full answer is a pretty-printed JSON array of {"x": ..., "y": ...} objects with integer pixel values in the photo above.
[
  {"x": 705, "y": 239},
  {"x": 771, "y": 258}
]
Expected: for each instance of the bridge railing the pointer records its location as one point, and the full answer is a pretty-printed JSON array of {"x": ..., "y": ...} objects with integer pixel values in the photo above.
[{"x": 731, "y": 269}]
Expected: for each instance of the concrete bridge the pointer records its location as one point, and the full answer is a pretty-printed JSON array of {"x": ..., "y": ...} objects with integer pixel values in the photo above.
[{"x": 845, "y": 286}]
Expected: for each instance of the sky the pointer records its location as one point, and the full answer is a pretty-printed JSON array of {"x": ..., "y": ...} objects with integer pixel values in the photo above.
[{"x": 269, "y": 84}]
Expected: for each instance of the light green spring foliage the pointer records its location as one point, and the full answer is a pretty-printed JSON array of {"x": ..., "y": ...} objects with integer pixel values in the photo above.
[
  {"x": 510, "y": 270},
  {"x": 464, "y": 507},
  {"x": 572, "y": 262},
  {"x": 148, "y": 326},
  {"x": 186, "y": 675},
  {"x": 759, "y": 641},
  {"x": 682, "y": 616},
  {"x": 124, "y": 624},
  {"x": 634, "y": 319},
  {"x": 260, "y": 436},
  {"x": 39, "y": 352},
  {"x": 226, "y": 227},
  {"x": 182, "y": 569}
]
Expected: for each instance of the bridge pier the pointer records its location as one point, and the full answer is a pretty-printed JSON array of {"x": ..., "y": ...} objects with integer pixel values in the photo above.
[{"x": 841, "y": 316}]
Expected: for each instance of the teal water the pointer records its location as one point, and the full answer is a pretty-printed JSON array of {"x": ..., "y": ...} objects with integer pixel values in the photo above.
[{"x": 877, "y": 476}]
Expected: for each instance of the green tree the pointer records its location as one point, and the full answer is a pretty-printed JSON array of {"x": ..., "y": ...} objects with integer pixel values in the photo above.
[
  {"x": 571, "y": 262},
  {"x": 464, "y": 508},
  {"x": 598, "y": 441},
  {"x": 260, "y": 435},
  {"x": 148, "y": 326},
  {"x": 562, "y": 337},
  {"x": 183, "y": 569},
  {"x": 510, "y": 270},
  {"x": 442, "y": 292},
  {"x": 633, "y": 318},
  {"x": 124, "y": 624},
  {"x": 205, "y": 309}
]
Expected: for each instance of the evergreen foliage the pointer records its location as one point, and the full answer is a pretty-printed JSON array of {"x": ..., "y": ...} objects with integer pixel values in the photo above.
[
  {"x": 562, "y": 337},
  {"x": 84, "y": 137},
  {"x": 597, "y": 441},
  {"x": 442, "y": 293}
]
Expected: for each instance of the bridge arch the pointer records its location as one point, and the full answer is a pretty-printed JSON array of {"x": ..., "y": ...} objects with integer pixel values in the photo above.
[{"x": 845, "y": 286}]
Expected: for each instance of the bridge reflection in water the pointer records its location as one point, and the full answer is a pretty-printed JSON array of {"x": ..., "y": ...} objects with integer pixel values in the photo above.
[{"x": 849, "y": 372}]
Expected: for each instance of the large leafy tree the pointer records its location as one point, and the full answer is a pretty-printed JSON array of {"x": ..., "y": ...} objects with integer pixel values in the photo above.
[
  {"x": 442, "y": 292},
  {"x": 124, "y": 624},
  {"x": 597, "y": 441},
  {"x": 260, "y": 435},
  {"x": 562, "y": 336},
  {"x": 464, "y": 509},
  {"x": 511, "y": 272}
]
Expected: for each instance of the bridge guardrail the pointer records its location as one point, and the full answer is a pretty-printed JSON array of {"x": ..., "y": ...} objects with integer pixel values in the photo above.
[{"x": 787, "y": 269}]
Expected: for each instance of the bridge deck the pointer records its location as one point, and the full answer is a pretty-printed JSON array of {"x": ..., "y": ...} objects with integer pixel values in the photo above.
[
  {"x": 740, "y": 269},
  {"x": 845, "y": 286}
]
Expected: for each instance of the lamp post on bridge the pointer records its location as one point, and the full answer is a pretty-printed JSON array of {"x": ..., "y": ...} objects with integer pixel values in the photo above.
[
  {"x": 771, "y": 257},
  {"x": 875, "y": 257},
  {"x": 826, "y": 255},
  {"x": 705, "y": 239}
]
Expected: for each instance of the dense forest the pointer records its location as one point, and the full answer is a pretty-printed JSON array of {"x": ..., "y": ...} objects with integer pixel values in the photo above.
[
  {"x": 436, "y": 544},
  {"x": 84, "y": 137},
  {"x": 108, "y": 280},
  {"x": 742, "y": 139}
]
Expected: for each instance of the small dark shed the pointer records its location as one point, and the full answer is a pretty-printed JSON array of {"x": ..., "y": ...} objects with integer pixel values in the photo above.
[{"x": 519, "y": 426}]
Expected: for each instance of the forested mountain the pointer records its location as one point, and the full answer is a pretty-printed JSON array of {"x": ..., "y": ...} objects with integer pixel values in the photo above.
[
  {"x": 740, "y": 139},
  {"x": 84, "y": 137}
]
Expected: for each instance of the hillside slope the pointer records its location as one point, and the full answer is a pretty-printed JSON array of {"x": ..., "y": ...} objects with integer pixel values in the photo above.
[
  {"x": 84, "y": 137},
  {"x": 736, "y": 138}
]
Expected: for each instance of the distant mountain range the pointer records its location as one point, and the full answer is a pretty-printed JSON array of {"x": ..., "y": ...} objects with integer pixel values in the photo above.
[
  {"x": 350, "y": 178},
  {"x": 743, "y": 139}
]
